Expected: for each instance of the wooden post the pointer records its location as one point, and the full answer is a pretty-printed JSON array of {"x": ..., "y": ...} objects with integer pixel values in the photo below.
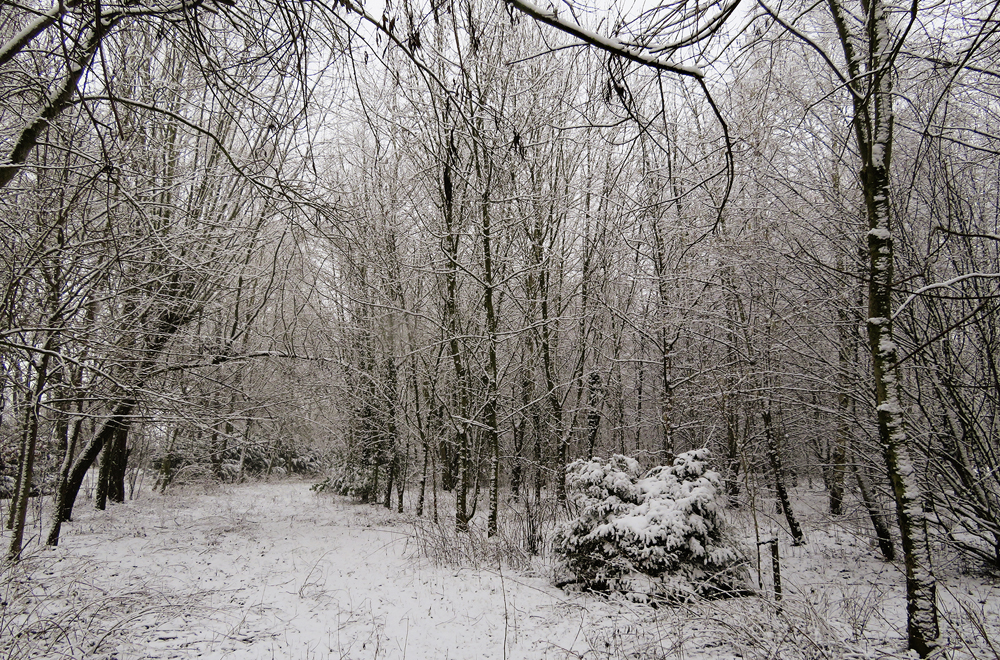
[{"x": 775, "y": 567}]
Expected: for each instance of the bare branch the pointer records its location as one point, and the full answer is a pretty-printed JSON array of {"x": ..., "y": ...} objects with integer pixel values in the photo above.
[
  {"x": 607, "y": 44},
  {"x": 943, "y": 285}
]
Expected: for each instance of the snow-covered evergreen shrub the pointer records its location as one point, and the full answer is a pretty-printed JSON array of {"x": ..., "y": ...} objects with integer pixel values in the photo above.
[
  {"x": 666, "y": 525},
  {"x": 347, "y": 476}
]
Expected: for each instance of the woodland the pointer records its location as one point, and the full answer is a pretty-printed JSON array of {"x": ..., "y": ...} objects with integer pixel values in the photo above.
[{"x": 438, "y": 256}]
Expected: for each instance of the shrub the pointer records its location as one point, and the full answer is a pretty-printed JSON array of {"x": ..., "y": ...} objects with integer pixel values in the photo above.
[
  {"x": 346, "y": 478},
  {"x": 661, "y": 534}
]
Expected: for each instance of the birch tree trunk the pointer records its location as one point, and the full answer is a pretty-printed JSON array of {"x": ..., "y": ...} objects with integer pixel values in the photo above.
[{"x": 870, "y": 67}]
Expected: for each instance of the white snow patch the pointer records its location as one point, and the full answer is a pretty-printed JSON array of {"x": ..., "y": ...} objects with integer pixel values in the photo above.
[
  {"x": 878, "y": 153},
  {"x": 273, "y": 571},
  {"x": 264, "y": 571}
]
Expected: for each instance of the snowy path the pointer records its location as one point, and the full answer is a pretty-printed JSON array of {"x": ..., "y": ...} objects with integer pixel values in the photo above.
[
  {"x": 275, "y": 571},
  {"x": 272, "y": 571}
]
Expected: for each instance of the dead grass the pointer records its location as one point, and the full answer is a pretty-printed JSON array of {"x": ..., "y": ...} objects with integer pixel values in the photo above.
[
  {"x": 51, "y": 609},
  {"x": 523, "y": 540}
]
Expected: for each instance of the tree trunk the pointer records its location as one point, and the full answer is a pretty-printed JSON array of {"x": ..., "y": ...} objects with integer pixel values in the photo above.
[
  {"x": 111, "y": 476},
  {"x": 120, "y": 418},
  {"x": 423, "y": 481},
  {"x": 921, "y": 587},
  {"x": 463, "y": 483},
  {"x": 838, "y": 468},
  {"x": 401, "y": 478},
  {"x": 870, "y": 63},
  {"x": 562, "y": 442},
  {"x": 216, "y": 451},
  {"x": 390, "y": 480},
  {"x": 371, "y": 492},
  {"x": 594, "y": 402},
  {"x": 847, "y": 355},
  {"x": 103, "y": 476},
  {"x": 59, "y": 99},
  {"x": 424, "y": 444},
  {"x": 732, "y": 458},
  {"x": 539, "y": 474},
  {"x": 517, "y": 440},
  {"x": 449, "y": 464},
  {"x": 167, "y": 464},
  {"x": 19, "y": 502},
  {"x": 434, "y": 488},
  {"x": 638, "y": 401},
  {"x": 451, "y": 245},
  {"x": 879, "y": 524},
  {"x": 492, "y": 370},
  {"x": 22, "y": 448},
  {"x": 849, "y": 318},
  {"x": 67, "y": 462},
  {"x": 119, "y": 466},
  {"x": 774, "y": 457}
]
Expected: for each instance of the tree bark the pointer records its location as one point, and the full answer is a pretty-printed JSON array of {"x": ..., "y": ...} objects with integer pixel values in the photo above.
[
  {"x": 401, "y": 478},
  {"x": 119, "y": 466},
  {"x": 517, "y": 457},
  {"x": 120, "y": 418},
  {"x": 103, "y": 476},
  {"x": 492, "y": 370},
  {"x": 67, "y": 462},
  {"x": 111, "y": 475},
  {"x": 59, "y": 99},
  {"x": 555, "y": 403},
  {"x": 871, "y": 85},
  {"x": 595, "y": 400},
  {"x": 22, "y": 448},
  {"x": 774, "y": 457},
  {"x": 390, "y": 480},
  {"x": 451, "y": 245},
  {"x": 19, "y": 504},
  {"x": 847, "y": 356},
  {"x": 879, "y": 524},
  {"x": 422, "y": 433}
]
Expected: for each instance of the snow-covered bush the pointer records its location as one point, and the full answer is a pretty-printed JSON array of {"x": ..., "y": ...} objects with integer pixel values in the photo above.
[
  {"x": 666, "y": 526},
  {"x": 346, "y": 478}
]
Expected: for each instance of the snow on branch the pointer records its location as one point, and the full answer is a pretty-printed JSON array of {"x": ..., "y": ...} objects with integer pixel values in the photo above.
[
  {"x": 702, "y": 29},
  {"x": 19, "y": 41},
  {"x": 215, "y": 360},
  {"x": 988, "y": 236},
  {"x": 607, "y": 44},
  {"x": 942, "y": 285}
]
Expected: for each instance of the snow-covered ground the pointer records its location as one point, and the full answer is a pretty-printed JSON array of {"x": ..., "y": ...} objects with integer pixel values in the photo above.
[{"x": 276, "y": 571}]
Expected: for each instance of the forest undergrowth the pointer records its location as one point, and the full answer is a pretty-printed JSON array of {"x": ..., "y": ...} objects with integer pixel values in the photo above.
[
  {"x": 270, "y": 570},
  {"x": 839, "y": 598}
]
